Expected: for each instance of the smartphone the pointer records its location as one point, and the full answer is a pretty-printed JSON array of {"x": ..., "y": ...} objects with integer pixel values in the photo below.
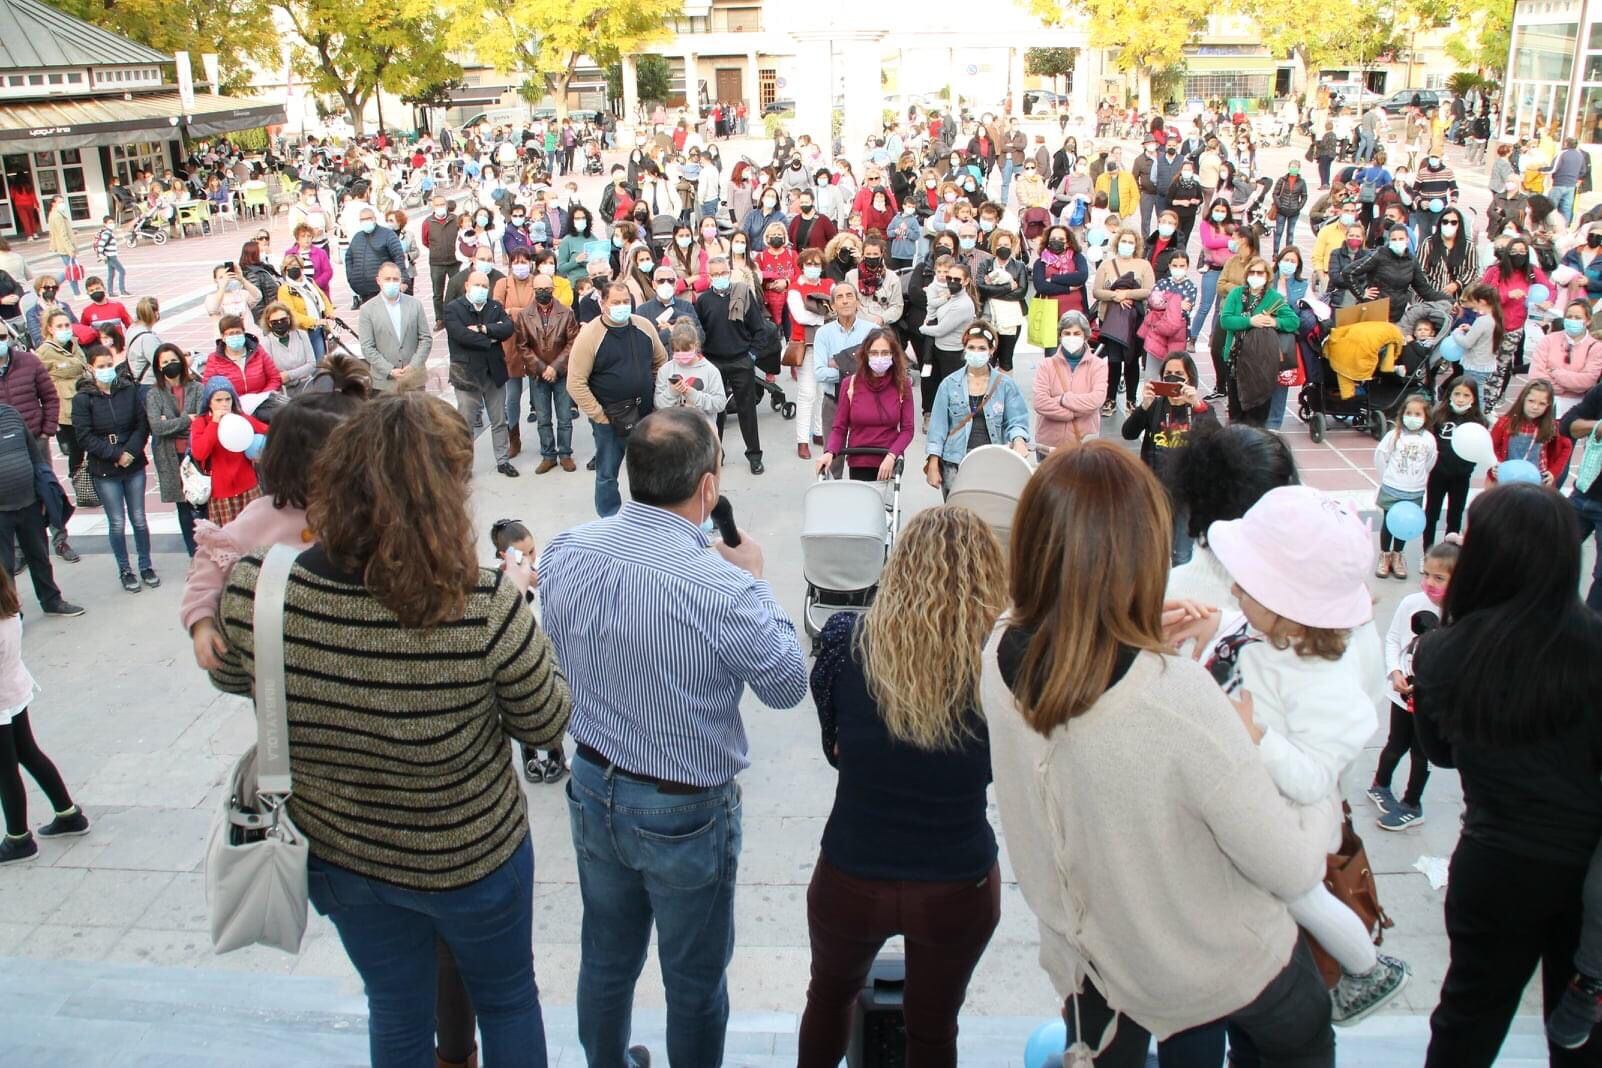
[
  {"x": 228, "y": 265},
  {"x": 514, "y": 555},
  {"x": 1167, "y": 389},
  {"x": 675, "y": 379}
]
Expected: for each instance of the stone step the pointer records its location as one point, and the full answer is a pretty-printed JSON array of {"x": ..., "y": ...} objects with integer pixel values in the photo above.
[{"x": 116, "y": 1016}]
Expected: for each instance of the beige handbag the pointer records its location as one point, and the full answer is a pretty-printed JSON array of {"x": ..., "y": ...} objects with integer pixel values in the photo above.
[{"x": 255, "y": 855}]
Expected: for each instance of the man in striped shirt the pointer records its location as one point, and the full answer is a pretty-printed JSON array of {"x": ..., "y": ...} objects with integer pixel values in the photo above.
[{"x": 659, "y": 630}]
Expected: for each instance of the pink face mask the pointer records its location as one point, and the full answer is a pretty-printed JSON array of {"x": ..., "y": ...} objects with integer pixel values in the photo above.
[
  {"x": 686, "y": 358},
  {"x": 1435, "y": 591}
]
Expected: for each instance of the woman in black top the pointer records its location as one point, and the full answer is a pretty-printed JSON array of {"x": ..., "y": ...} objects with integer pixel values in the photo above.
[
  {"x": 1165, "y": 426},
  {"x": 1505, "y": 692},
  {"x": 907, "y": 849},
  {"x": 112, "y": 429}
]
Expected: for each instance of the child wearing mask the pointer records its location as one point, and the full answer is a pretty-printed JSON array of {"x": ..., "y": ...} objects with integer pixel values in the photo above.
[
  {"x": 512, "y": 541},
  {"x": 1449, "y": 478},
  {"x": 688, "y": 380},
  {"x": 1168, "y": 309},
  {"x": 1287, "y": 660},
  {"x": 1417, "y": 613},
  {"x": 1403, "y": 460}
]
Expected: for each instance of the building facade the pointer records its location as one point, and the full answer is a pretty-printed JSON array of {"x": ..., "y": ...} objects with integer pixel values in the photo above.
[{"x": 1554, "y": 70}]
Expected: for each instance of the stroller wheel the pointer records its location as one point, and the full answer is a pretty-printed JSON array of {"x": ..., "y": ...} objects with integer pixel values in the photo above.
[
  {"x": 789, "y": 409},
  {"x": 778, "y": 402},
  {"x": 1377, "y": 425},
  {"x": 1315, "y": 427},
  {"x": 159, "y": 237}
]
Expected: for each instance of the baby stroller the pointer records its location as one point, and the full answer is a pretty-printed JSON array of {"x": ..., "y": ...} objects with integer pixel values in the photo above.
[
  {"x": 989, "y": 482},
  {"x": 151, "y": 226},
  {"x": 592, "y": 157},
  {"x": 766, "y": 357},
  {"x": 847, "y": 531},
  {"x": 1321, "y": 405}
]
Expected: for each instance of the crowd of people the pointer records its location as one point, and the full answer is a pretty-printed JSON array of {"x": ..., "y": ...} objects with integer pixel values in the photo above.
[{"x": 1176, "y": 642}]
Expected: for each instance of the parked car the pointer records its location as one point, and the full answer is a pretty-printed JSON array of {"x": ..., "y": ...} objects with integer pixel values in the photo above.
[
  {"x": 779, "y": 107},
  {"x": 1352, "y": 94},
  {"x": 1399, "y": 101},
  {"x": 1042, "y": 100}
]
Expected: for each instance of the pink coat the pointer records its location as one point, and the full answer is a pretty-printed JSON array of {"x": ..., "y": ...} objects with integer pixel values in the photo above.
[
  {"x": 1571, "y": 368},
  {"x": 1068, "y": 401},
  {"x": 1165, "y": 324},
  {"x": 217, "y": 549}
]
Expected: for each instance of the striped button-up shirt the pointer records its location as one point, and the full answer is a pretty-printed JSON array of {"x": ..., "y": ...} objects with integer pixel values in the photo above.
[{"x": 659, "y": 636}]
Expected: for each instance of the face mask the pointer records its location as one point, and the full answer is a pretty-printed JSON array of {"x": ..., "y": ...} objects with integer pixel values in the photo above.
[
  {"x": 976, "y": 359},
  {"x": 1593, "y": 240},
  {"x": 1234, "y": 246},
  {"x": 544, "y": 296},
  {"x": 47, "y": 294},
  {"x": 1287, "y": 268},
  {"x": 1177, "y": 273},
  {"x": 172, "y": 370},
  {"x": 477, "y": 295},
  {"x": 738, "y": 248},
  {"x": 686, "y": 358},
  {"x": 1413, "y": 422},
  {"x": 98, "y": 295},
  {"x": 1163, "y": 229},
  {"x": 708, "y": 233},
  {"x": 1057, "y": 244},
  {"x": 62, "y": 337},
  {"x": 619, "y": 313},
  {"x": 1574, "y": 327},
  {"x": 1220, "y": 216},
  {"x": 812, "y": 273},
  {"x": 967, "y": 243},
  {"x": 369, "y": 225},
  {"x": 721, "y": 283},
  {"x": 987, "y": 225},
  {"x": 1126, "y": 249},
  {"x": 1518, "y": 259},
  {"x": 1187, "y": 175},
  {"x": 233, "y": 285},
  {"x": 520, "y": 271},
  {"x": 930, "y": 183},
  {"x": 1398, "y": 247},
  {"x": 235, "y": 341},
  {"x": 1073, "y": 343},
  {"x": 1461, "y": 407},
  {"x": 951, "y": 198},
  {"x": 1348, "y": 220},
  {"x": 5, "y": 348},
  {"x": 954, "y": 285},
  {"x": 105, "y": 375},
  {"x": 439, "y": 213},
  {"x": 1256, "y": 281},
  {"x": 769, "y": 203},
  {"x": 580, "y": 225}
]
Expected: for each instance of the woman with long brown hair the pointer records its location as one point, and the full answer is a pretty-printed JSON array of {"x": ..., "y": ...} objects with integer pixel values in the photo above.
[
  {"x": 1146, "y": 834},
  {"x": 875, "y": 409},
  {"x": 408, "y": 669},
  {"x": 907, "y": 849}
]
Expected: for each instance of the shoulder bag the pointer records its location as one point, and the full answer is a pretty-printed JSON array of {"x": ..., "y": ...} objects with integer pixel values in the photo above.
[
  {"x": 83, "y": 487},
  {"x": 1349, "y": 876},
  {"x": 255, "y": 855},
  {"x": 195, "y": 483}
]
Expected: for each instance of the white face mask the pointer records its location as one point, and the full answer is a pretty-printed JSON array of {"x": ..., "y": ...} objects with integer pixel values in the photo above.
[
  {"x": 1256, "y": 281},
  {"x": 1413, "y": 422},
  {"x": 1073, "y": 343},
  {"x": 1126, "y": 249}
]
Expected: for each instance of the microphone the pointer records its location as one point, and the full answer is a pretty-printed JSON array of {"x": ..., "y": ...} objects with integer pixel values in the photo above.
[{"x": 723, "y": 516}]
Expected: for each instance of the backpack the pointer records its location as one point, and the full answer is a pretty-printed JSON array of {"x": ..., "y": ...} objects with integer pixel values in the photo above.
[
  {"x": 1035, "y": 221},
  {"x": 1078, "y": 212},
  {"x": 1367, "y": 192}
]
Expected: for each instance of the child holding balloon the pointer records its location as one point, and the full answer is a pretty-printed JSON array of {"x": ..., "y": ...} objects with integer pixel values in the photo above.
[
  {"x": 222, "y": 440},
  {"x": 1527, "y": 432},
  {"x": 1403, "y": 459},
  {"x": 1454, "y": 465}
]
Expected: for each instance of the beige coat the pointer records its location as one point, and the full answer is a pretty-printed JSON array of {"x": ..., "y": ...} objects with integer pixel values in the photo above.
[
  {"x": 1114, "y": 268},
  {"x": 62, "y": 242},
  {"x": 1148, "y": 838}
]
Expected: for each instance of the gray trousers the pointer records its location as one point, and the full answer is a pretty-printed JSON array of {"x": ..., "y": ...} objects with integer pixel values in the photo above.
[{"x": 489, "y": 400}]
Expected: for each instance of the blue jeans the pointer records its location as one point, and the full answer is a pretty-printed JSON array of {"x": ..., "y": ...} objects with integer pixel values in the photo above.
[
  {"x": 319, "y": 343},
  {"x": 1365, "y": 146},
  {"x": 67, "y": 261},
  {"x": 1562, "y": 197},
  {"x": 122, "y": 497},
  {"x": 1285, "y": 230},
  {"x": 514, "y": 399},
  {"x": 1276, "y": 407},
  {"x": 1008, "y": 170},
  {"x": 1184, "y": 545},
  {"x": 644, "y": 855},
  {"x": 1589, "y": 513},
  {"x": 389, "y": 933},
  {"x": 116, "y": 272},
  {"x": 1204, "y": 303},
  {"x": 608, "y": 458},
  {"x": 551, "y": 404}
]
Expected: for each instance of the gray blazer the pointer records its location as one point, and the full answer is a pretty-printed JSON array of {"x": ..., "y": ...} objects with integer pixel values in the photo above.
[{"x": 384, "y": 351}]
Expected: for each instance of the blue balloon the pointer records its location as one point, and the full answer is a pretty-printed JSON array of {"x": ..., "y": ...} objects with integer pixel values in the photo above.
[
  {"x": 1450, "y": 348},
  {"x": 1049, "y": 1042},
  {"x": 254, "y": 449},
  {"x": 1437, "y": 205},
  {"x": 1538, "y": 294},
  {"x": 1405, "y": 520},
  {"x": 1511, "y": 471}
]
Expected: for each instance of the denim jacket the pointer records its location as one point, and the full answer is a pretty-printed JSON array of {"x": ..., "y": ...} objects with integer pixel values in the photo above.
[{"x": 1006, "y": 415}]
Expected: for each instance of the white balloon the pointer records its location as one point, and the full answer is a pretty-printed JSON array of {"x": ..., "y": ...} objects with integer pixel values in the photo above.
[
  {"x": 1472, "y": 442},
  {"x": 234, "y": 432}
]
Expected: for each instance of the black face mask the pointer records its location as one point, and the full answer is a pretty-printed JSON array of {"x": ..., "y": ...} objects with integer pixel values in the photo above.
[
  {"x": 1003, "y": 253},
  {"x": 98, "y": 295},
  {"x": 954, "y": 284},
  {"x": 544, "y": 296},
  {"x": 775, "y": 242},
  {"x": 873, "y": 261},
  {"x": 1518, "y": 259},
  {"x": 846, "y": 256},
  {"x": 172, "y": 370},
  {"x": 293, "y": 274},
  {"x": 1057, "y": 244},
  {"x": 944, "y": 250},
  {"x": 280, "y": 327},
  {"x": 1593, "y": 240},
  {"x": 808, "y": 209}
]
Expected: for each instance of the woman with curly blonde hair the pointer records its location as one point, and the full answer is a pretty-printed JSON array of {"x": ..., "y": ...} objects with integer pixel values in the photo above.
[{"x": 907, "y": 849}]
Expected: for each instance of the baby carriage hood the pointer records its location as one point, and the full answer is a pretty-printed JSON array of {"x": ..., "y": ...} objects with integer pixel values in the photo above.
[{"x": 843, "y": 532}]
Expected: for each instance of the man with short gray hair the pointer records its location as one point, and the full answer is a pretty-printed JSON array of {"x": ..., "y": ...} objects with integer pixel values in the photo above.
[{"x": 475, "y": 326}]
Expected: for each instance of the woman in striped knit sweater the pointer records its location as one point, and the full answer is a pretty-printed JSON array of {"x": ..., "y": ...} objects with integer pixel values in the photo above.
[{"x": 409, "y": 669}]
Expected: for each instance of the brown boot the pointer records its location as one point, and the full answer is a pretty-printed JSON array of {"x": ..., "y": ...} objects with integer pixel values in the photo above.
[
  {"x": 568, "y": 464},
  {"x": 545, "y": 465},
  {"x": 471, "y": 1062},
  {"x": 516, "y": 435}
]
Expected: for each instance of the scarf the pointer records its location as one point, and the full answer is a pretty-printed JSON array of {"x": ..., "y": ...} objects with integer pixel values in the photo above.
[
  {"x": 307, "y": 290},
  {"x": 1057, "y": 262},
  {"x": 739, "y": 301},
  {"x": 869, "y": 278}
]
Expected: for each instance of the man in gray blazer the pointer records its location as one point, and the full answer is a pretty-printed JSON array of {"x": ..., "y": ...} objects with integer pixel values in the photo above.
[{"x": 394, "y": 334}]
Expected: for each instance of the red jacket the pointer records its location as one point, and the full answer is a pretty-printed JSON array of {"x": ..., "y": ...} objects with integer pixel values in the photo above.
[
  {"x": 259, "y": 376},
  {"x": 232, "y": 473},
  {"x": 822, "y": 232},
  {"x": 1554, "y": 454}
]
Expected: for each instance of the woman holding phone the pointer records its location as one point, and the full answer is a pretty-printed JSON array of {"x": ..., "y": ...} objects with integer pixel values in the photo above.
[{"x": 1171, "y": 410}]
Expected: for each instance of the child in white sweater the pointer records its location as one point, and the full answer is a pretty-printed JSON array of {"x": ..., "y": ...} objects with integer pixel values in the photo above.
[
  {"x": 1403, "y": 460},
  {"x": 1297, "y": 560}
]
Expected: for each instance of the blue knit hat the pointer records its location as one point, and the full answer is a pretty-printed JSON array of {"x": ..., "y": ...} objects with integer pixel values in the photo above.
[{"x": 214, "y": 384}]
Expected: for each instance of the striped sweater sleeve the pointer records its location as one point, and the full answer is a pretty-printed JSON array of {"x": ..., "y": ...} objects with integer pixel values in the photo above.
[{"x": 529, "y": 687}]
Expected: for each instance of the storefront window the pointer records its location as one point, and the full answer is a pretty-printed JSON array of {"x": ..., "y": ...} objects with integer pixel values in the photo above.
[
  {"x": 62, "y": 172},
  {"x": 128, "y": 160},
  {"x": 1544, "y": 53},
  {"x": 1590, "y": 121}
]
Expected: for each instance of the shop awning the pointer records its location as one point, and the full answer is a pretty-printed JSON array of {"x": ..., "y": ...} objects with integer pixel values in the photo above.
[
  {"x": 58, "y": 124},
  {"x": 479, "y": 95}
]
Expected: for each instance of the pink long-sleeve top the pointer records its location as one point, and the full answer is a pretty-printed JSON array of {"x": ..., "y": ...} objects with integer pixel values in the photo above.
[
  {"x": 218, "y": 548},
  {"x": 871, "y": 416},
  {"x": 1068, "y": 400}
]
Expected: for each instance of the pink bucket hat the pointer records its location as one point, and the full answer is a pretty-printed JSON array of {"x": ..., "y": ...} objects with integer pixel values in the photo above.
[{"x": 1301, "y": 555}]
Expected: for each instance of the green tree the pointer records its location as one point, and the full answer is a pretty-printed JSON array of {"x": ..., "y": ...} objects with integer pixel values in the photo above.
[
  {"x": 354, "y": 48},
  {"x": 1344, "y": 34},
  {"x": 1482, "y": 36},
  {"x": 1050, "y": 63},
  {"x": 543, "y": 39},
  {"x": 1149, "y": 35},
  {"x": 652, "y": 77},
  {"x": 240, "y": 32}
]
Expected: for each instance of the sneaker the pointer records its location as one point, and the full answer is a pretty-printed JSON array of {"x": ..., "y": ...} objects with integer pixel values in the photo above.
[
  {"x": 1110, "y": 408},
  {"x": 1357, "y": 996},
  {"x": 555, "y": 768},
  {"x": 639, "y": 1057},
  {"x": 533, "y": 770},
  {"x": 130, "y": 582},
  {"x": 1401, "y": 817},
  {"x": 63, "y": 550},
  {"x": 1382, "y": 797},
  {"x": 1577, "y": 1013},
  {"x": 22, "y": 847},
  {"x": 1216, "y": 394},
  {"x": 591, "y": 465},
  {"x": 66, "y": 825},
  {"x": 151, "y": 578},
  {"x": 63, "y": 608}
]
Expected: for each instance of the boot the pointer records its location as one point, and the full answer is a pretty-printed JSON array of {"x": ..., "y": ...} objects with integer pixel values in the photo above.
[
  {"x": 471, "y": 1062},
  {"x": 516, "y": 436}
]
